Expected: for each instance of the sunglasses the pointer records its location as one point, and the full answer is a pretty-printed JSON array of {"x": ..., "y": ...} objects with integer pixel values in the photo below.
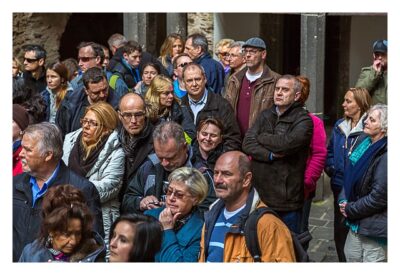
[
  {"x": 31, "y": 60},
  {"x": 85, "y": 59},
  {"x": 183, "y": 64}
]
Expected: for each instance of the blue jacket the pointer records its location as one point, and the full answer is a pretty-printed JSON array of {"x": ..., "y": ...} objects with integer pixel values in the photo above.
[
  {"x": 181, "y": 246},
  {"x": 37, "y": 253},
  {"x": 215, "y": 73},
  {"x": 342, "y": 141}
]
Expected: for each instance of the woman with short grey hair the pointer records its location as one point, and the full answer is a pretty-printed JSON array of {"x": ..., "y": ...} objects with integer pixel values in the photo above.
[
  {"x": 363, "y": 199},
  {"x": 180, "y": 218}
]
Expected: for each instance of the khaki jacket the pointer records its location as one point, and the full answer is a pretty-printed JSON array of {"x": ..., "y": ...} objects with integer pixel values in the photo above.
[
  {"x": 262, "y": 96},
  {"x": 274, "y": 237}
]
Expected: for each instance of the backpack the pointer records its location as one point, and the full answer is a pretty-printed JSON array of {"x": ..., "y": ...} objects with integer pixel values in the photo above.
[{"x": 250, "y": 233}]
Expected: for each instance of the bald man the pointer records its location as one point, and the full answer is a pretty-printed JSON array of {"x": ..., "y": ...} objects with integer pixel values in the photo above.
[
  {"x": 222, "y": 237},
  {"x": 135, "y": 135}
]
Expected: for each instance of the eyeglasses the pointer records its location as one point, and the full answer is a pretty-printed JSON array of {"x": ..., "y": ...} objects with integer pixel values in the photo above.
[
  {"x": 128, "y": 116},
  {"x": 182, "y": 65},
  {"x": 224, "y": 54},
  {"x": 85, "y": 58},
  {"x": 233, "y": 55},
  {"x": 31, "y": 60},
  {"x": 251, "y": 52},
  {"x": 177, "y": 194},
  {"x": 91, "y": 123}
]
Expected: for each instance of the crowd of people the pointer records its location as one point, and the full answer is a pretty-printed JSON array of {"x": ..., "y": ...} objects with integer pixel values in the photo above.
[{"x": 133, "y": 158}]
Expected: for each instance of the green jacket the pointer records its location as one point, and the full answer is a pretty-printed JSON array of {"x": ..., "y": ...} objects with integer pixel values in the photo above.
[{"x": 375, "y": 83}]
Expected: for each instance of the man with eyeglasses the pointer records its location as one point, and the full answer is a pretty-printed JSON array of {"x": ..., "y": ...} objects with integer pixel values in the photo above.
[
  {"x": 135, "y": 135},
  {"x": 251, "y": 90},
  {"x": 147, "y": 188},
  {"x": 236, "y": 60},
  {"x": 73, "y": 107},
  {"x": 34, "y": 70},
  {"x": 374, "y": 77},
  {"x": 203, "y": 104},
  {"x": 91, "y": 55},
  {"x": 180, "y": 61},
  {"x": 196, "y": 47}
]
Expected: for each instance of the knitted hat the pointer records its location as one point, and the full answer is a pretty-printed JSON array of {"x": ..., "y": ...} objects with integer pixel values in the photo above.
[{"x": 20, "y": 116}]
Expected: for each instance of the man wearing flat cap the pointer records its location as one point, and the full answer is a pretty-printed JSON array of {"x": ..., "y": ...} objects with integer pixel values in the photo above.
[
  {"x": 251, "y": 90},
  {"x": 374, "y": 78}
]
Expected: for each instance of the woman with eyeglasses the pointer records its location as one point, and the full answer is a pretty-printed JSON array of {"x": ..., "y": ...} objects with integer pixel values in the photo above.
[
  {"x": 163, "y": 105},
  {"x": 150, "y": 70},
  {"x": 208, "y": 145},
  {"x": 222, "y": 51},
  {"x": 94, "y": 152},
  {"x": 57, "y": 88},
  {"x": 66, "y": 233},
  {"x": 180, "y": 218},
  {"x": 343, "y": 138},
  {"x": 172, "y": 46}
]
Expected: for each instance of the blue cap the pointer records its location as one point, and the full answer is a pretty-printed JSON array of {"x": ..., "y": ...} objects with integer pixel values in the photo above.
[{"x": 380, "y": 46}]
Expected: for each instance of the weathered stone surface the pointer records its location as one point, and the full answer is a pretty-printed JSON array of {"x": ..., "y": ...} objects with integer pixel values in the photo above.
[
  {"x": 45, "y": 29},
  {"x": 202, "y": 23}
]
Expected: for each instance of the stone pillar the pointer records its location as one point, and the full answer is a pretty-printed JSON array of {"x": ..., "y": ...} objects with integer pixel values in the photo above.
[
  {"x": 312, "y": 58},
  {"x": 312, "y": 61},
  {"x": 177, "y": 23},
  {"x": 136, "y": 27}
]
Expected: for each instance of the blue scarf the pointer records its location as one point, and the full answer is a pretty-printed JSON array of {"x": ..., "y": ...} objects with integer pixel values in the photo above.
[
  {"x": 16, "y": 145},
  {"x": 356, "y": 169}
]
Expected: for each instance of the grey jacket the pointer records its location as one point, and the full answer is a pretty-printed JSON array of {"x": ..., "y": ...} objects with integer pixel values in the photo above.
[{"x": 106, "y": 175}]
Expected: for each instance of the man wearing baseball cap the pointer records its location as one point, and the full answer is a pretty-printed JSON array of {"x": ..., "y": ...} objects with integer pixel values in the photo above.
[
  {"x": 374, "y": 78},
  {"x": 251, "y": 89}
]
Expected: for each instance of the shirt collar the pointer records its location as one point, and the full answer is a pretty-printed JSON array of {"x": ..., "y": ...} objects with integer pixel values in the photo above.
[{"x": 203, "y": 100}]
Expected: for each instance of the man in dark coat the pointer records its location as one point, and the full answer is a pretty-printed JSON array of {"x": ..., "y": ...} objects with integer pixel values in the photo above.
[
  {"x": 135, "y": 135},
  {"x": 278, "y": 143},
  {"x": 147, "y": 189},
  {"x": 34, "y": 71},
  {"x": 43, "y": 169},
  {"x": 203, "y": 104},
  {"x": 196, "y": 47}
]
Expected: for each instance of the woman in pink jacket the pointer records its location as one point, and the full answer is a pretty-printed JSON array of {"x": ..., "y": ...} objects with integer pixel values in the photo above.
[{"x": 317, "y": 155}]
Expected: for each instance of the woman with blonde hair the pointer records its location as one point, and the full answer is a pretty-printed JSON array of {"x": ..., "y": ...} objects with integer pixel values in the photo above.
[
  {"x": 56, "y": 90},
  {"x": 94, "y": 152},
  {"x": 163, "y": 105},
  {"x": 172, "y": 46},
  {"x": 180, "y": 217},
  {"x": 222, "y": 52},
  {"x": 344, "y": 136}
]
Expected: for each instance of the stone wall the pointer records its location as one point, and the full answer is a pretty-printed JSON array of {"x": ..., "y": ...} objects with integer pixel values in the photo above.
[
  {"x": 202, "y": 23},
  {"x": 45, "y": 29}
]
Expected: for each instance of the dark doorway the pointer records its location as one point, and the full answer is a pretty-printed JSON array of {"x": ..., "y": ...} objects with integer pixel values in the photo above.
[{"x": 96, "y": 27}]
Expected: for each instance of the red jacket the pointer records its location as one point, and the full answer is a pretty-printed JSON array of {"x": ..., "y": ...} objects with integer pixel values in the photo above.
[
  {"x": 17, "y": 165},
  {"x": 316, "y": 158}
]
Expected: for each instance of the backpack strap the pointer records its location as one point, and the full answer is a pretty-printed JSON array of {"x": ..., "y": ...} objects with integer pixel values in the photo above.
[
  {"x": 250, "y": 231},
  {"x": 113, "y": 81}
]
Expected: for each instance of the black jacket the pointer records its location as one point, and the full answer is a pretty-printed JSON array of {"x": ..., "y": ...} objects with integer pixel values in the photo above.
[
  {"x": 218, "y": 107},
  {"x": 27, "y": 219},
  {"x": 280, "y": 182},
  {"x": 137, "y": 155},
  {"x": 369, "y": 209},
  {"x": 151, "y": 179}
]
